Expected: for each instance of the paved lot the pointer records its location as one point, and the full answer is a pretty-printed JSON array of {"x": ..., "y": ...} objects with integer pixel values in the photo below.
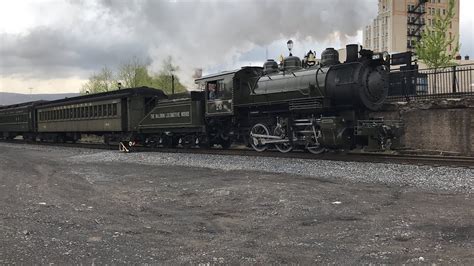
[{"x": 55, "y": 208}]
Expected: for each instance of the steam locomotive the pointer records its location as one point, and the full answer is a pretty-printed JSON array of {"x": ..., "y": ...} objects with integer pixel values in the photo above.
[{"x": 295, "y": 104}]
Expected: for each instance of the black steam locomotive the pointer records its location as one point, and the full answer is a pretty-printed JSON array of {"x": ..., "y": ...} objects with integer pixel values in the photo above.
[{"x": 295, "y": 104}]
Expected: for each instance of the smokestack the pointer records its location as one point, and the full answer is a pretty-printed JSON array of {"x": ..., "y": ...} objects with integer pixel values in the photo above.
[
  {"x": 352, "y": 53},
  {"x": 466, "y": 57}
]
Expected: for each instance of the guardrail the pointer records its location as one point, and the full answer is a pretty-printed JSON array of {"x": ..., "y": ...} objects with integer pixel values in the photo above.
[{"x": 455, "y": 81}]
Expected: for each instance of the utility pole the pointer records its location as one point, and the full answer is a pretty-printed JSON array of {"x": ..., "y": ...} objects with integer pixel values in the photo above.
[{"x": 172, "y": 84}]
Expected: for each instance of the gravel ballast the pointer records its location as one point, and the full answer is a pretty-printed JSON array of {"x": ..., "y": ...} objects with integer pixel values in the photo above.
[{"x": 450, "y": 179}]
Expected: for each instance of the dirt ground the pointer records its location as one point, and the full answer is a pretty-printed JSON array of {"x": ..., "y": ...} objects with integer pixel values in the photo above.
[{"x": 52, "y": 211}]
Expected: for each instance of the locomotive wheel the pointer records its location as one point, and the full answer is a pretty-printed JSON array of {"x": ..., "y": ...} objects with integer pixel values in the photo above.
[
  {"x": 317, "y": 149},
  {"x": 168, "y": 142},
  {"x": 188, "y": 141},
  {"x": 258, "y": 129},
  {"x": 312, "y": 144},
  {"x": 226, "y": 144},
  {"x": 203, "y": 142},
  {"x": 282, "y": 147}
]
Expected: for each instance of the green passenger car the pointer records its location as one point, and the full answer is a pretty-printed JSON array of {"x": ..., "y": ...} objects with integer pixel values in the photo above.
[
  {"x": 111, "y": 114},
  {"x": 18, "y": 120}
]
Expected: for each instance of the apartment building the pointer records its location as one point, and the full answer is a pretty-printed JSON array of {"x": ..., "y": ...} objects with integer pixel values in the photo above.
[{"x": 399, "y": 24}]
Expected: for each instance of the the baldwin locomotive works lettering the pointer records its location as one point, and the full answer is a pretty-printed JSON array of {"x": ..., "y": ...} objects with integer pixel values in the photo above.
[{"x": 170, "y": 115}]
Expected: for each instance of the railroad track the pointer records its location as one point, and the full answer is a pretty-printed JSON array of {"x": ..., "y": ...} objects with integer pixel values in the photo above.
[{"x": 373, "y": 157}]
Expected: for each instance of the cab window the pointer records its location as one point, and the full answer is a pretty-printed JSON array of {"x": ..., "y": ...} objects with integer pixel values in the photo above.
[{"x": 215, "y": 89}]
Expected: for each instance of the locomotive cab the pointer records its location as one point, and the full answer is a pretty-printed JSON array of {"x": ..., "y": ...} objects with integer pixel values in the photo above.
[{"x": 218, "y": 94}]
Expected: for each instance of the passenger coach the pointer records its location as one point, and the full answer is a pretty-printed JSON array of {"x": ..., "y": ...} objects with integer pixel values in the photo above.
[
  {"x": 113, "y": 114},
  {"x": 18, "y": 120}
]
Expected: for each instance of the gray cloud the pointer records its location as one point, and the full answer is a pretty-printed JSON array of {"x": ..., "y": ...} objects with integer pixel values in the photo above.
[
  {"x": 57, "y": 53},
  {"x": 195, "y": 33}
]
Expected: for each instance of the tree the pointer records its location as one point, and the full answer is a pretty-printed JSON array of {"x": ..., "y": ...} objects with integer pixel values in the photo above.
[
  {"x": 100, "y": 82},
  {"x": 435, "y": 48},
  {"x": 164, "y": 79},
  {"x": 134, "y": 73}
]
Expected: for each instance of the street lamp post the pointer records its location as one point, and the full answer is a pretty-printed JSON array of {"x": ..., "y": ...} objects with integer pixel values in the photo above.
[{"x": 289, "y": 44}]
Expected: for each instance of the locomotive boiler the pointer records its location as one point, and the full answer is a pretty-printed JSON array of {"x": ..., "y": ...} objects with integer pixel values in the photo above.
[{"x": 358, "y": 83}]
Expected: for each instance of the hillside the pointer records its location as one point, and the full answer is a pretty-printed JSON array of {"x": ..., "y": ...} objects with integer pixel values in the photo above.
[{"x": 7, "y": 98}]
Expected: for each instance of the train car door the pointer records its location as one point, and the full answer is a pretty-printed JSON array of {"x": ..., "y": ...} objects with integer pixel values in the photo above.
[{"x": 124, "y": 114}]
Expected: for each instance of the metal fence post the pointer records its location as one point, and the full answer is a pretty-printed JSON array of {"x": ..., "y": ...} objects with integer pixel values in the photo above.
[{"x": 454, "y": 79}]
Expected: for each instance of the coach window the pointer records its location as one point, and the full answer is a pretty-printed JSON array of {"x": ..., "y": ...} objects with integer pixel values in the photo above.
[
  {"x": 95, "y": 110},
  {"x": 115, "y": 109},
  {"x": 99, "y": 111},
  {"x": 109, "y": 109}
]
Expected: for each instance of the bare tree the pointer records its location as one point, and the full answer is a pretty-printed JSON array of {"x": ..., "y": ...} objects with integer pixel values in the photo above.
[
  {"x": 134, "y": 73},
  {"x": 100, "y": 82}
]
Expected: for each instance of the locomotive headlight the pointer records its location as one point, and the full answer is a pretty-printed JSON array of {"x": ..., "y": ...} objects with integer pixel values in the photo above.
[
  {"x": 376, "y": 56},
  {"x": 386, "y": 56}
]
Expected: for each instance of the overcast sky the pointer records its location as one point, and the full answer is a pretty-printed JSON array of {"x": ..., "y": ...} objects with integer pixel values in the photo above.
[{"x": 53, "y": 46}]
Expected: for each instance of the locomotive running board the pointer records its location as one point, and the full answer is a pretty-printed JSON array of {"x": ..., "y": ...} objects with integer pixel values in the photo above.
[{"x": 123, "y": 147}]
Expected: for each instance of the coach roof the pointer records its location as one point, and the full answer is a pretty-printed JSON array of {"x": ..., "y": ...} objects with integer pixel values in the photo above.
[
  {"x": 21, "y": 105},
  {"x": 116, "y": 94}
]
